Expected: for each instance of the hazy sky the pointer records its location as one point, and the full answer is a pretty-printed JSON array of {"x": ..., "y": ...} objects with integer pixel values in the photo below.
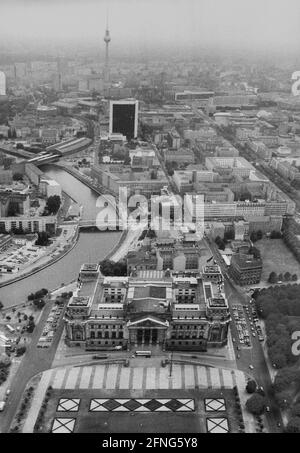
[{"x": 238, "y": 23}]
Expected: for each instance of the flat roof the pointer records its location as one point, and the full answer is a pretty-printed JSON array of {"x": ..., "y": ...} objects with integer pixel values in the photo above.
[
  {"x": 152, "y": 292},
  {"x": 79, "y": 301},
  {"x": 89, "y": 267}
]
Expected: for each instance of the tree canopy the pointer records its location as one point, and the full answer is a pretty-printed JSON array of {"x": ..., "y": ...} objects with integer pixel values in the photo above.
[{"x": 256, "y": 404}]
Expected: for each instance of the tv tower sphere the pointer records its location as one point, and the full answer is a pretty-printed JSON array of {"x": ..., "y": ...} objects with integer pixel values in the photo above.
[{"x": 107, "y": 37}]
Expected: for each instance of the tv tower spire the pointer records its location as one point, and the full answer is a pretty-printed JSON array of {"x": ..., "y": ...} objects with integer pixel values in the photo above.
[{"x": 107, "y": 40}]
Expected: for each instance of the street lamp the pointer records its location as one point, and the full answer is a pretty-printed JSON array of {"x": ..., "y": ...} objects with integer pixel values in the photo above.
[{"x": 171, "y": 365}]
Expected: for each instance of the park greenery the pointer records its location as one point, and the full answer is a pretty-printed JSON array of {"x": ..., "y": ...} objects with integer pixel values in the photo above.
[
  {"x": 17, "y": 177},
  {"x": 279, "y": 307},
  {"x": 43, "y": 239},
  {"x": 256, "y": 404},
  {"x": 147, "y": 233},
  {"x": 221, "y": 243},
  {"x": 108, "y": 267},
  {"x": 53, "y": 204},
  {"x": 38, "y": 298},
  {"x": 251, "y": 386},
  {"x": 5, "y": 363}
]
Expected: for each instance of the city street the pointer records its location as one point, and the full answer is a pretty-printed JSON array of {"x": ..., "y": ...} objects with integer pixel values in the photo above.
[
  {"x": 249, "y": 356},
  {"x": 33, "y": 362}
]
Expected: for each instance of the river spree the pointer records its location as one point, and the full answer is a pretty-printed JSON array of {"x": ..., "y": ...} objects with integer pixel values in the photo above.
[{"x": 91, "y": 247}]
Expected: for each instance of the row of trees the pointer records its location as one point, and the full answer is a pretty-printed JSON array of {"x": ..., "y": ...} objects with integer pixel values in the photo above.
[
  {"x": 291, "y": 234},
  {"x": 38, "y": 294},
  {"x": 286, "y": 387},
  {"x": 229, "y": 236},
  {"x": 38, "y": 298},
  {"x": 284, "y": 185},
  {"x": 256, "y": 404},
  {"x": 4, "y": 368},
  {"x": 287, "y": 277}
]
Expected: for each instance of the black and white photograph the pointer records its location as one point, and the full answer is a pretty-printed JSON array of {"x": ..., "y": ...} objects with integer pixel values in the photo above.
[{"x": 149, "y": 220}]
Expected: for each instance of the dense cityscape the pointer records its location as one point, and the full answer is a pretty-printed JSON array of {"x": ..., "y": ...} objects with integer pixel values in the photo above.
[{"x": 149, "y": 238}]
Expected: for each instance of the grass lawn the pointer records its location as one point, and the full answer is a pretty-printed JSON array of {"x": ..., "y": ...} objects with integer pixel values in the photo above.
[
  {"x": 141, "y": 422},
  {"x": 277, "y": 257}
]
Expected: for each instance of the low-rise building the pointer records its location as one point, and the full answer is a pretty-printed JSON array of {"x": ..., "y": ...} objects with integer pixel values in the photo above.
[
  {"x": 180, "y": 156},
  {"x": 29, "y": 224},
  {"x": 114, "y": 177},
  {"x": 6, "y": 177},
  {"x": 246, "y": 269}
]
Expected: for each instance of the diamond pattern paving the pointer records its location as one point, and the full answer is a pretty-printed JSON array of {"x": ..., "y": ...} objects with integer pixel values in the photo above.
[
  {"x": 153, "y": 405},
  {"x": 215, "y": 405},
  {"x": 132, "y": 405},
  {"x": 111, "y": 405},
  {"x": 142, "y": 405},
  {"x": 68, "y": 405},
  {"x": 63, "y": 425},
  {"x": 217, "y": 425}
]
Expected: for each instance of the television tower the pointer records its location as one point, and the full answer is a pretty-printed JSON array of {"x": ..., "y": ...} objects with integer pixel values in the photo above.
[{"x": 107, "y": 40}]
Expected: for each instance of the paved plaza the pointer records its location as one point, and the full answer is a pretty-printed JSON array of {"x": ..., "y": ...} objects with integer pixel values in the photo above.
[
  {"x": 86, "y": 392},
  {"x": 118, "y": 377}
]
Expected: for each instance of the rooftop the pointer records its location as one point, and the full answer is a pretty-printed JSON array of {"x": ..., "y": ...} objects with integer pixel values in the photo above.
[{"x": 155, "y": 292}]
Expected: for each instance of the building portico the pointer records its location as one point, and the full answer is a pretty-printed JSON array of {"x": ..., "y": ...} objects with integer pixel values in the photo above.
[{"x": 147, "y": 331}]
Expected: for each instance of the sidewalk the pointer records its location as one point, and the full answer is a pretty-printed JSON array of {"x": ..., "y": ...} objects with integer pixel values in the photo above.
[
  {"x": 249, "y": 420},
  {"x": 36, "y": 402}
]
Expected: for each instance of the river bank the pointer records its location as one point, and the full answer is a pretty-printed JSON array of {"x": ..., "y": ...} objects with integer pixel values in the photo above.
[
  {"x": 61, "y": 244},
  {"x": 89, "y": 247},
  {"x": 48, "y": 263}
]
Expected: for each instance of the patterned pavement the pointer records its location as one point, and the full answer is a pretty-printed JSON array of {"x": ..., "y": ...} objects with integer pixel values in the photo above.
[
  {"x": 63, "y": 425},
  {"x": 117, "y": 377},
  {"x": 68, "y": 405},
  {"x": 142, "y": 405},
  {"x": 215, "y": 405},
  {"x": 217, "y": 425}
]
